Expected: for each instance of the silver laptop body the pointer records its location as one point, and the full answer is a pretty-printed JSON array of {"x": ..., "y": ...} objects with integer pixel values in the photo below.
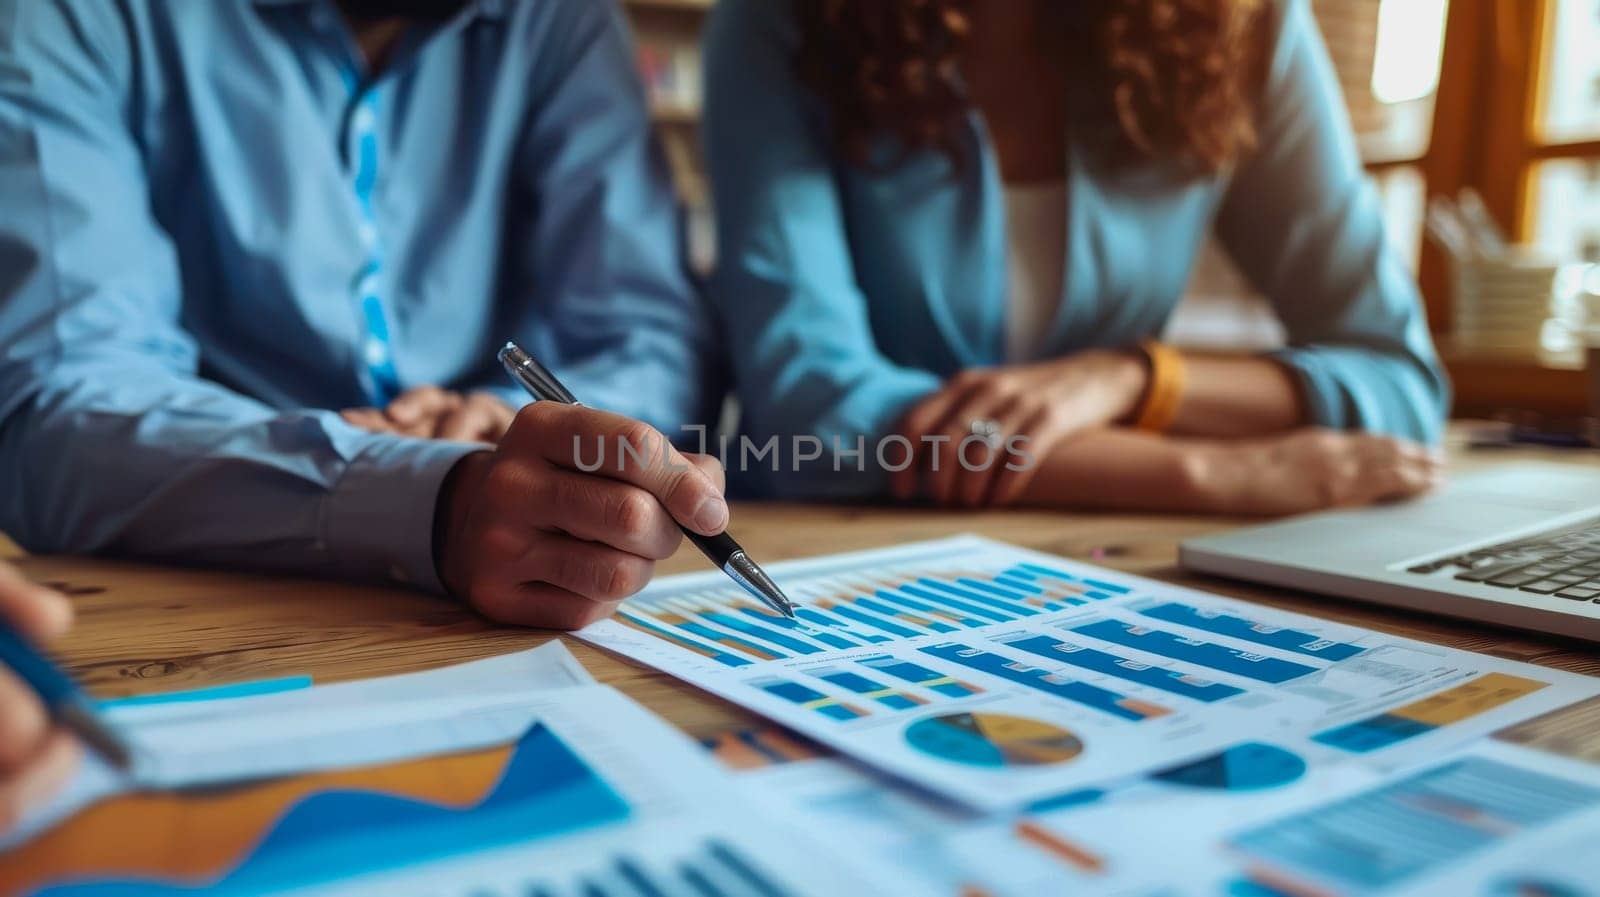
[{"x": 1514, "y": 546}]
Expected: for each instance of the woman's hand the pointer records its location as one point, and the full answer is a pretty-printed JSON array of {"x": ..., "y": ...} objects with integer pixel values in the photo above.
[
  {"x": 36, "y": 757},
  {"x": 429, "y": 412},
  {"x": 1046, "y": 403},
  {"x": 1308, "y": 470}
]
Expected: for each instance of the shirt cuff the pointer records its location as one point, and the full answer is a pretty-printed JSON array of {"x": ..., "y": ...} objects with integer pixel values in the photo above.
[
  {"x": 379, "y": 519},
  {"x": 1319, "y": 388}
]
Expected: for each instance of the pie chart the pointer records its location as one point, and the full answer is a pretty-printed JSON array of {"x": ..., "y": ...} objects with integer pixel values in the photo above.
[
  {"x": 1243, "y": 767},
  {"x": 993, "y": 740}
]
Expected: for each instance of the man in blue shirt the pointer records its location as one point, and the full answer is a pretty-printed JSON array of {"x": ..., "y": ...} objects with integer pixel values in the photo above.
[{"x": 222, "y": 223}]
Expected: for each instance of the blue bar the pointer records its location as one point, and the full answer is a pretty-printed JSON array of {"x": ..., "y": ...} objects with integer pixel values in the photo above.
[
  {"x": 1018, "y": 584},
  {"x": 1171, "y": 681},
  {"x": 1099, "y": 584},
  {"x": 1376, "y": 733},
  {"x": 851, "y": 613},
  {"x": 1036, "y": 678},
  {"x": 886, "y": 610},
  {"x": 1009, "y": 601},
  {"x": 706, "y": 632},
  {"x": 1217, "y": 657},
  {"x": 1246, "y": 630},
  {"x": 822, "y": 619},
  {"x": 717, "y": 653},
  {"x": 985, "y": 606},
  {"x": 827, "y": 638},
  {"x": 758, "y": 883},
  {"x": 1021, "y": 573},
  {"x": 637, "y": 877},
  {"x": 913, "y": 604},
  {"x": 906, "y": 671},
  {"x": 861, "y": 685},
  {"x": 755, "y": 630},
  {"x": 214, "y": 693},
  {"x": 953, "y": 604}
]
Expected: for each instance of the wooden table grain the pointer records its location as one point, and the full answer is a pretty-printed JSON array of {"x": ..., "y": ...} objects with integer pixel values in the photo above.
[{"x": 146, "y": 628}]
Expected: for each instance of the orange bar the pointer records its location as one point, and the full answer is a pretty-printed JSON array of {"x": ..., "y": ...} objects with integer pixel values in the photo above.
[{"x": 1060, "y": 848}]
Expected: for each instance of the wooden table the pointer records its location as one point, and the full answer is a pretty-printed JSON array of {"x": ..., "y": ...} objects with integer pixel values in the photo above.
[{"x": 144, "y": 629}]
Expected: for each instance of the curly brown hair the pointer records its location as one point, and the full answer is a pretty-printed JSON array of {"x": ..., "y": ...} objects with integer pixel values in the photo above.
[{"x": 1181, "y": 77}]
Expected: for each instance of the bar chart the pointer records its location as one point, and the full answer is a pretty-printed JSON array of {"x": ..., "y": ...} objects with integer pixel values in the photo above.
[
  {"x": 1394, "y": 833},
  {"x": 1053, "y": 684},
  {"x": 807, "y": 697},
  {"x": 933, "y": 680},
  {"x": 1235, "y": 626},
  {"x": 1146, "y": 675},
  {"x": 853, "y": 611},
  {"x": 1075, "y": 654}
]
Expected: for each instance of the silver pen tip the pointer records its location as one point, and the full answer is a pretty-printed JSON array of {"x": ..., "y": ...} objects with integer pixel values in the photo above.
[{"x": 756, "y": 581}]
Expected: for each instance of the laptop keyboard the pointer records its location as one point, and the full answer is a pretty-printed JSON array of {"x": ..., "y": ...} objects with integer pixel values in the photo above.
[{"x": 1564, "y": 564}]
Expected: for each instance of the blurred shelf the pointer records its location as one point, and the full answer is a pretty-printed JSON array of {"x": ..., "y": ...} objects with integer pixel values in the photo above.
[{"x": 1486, "y": 384}]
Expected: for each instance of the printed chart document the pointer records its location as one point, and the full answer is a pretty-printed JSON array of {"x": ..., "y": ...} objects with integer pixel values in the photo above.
[
  {"x": 564, "y": 791},
  {"x": 1496, "y": 820},
  {"x": 1155, "y": 835},
  {"x": 1002, "y": 677},
  {"x": 170, "y": 755}
]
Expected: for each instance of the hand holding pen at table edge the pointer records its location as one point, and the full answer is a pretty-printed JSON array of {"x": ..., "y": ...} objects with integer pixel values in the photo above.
[
  {"x": 37, "y": 756},
  {"x": 526, "y": 535}
]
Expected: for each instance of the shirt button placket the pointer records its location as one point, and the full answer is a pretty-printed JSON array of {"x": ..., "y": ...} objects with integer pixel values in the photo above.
[{"x": 376, "y": 351}]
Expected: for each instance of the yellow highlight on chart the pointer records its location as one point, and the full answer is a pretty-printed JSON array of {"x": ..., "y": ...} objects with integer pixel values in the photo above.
[{"x": 1468, "y": 699}]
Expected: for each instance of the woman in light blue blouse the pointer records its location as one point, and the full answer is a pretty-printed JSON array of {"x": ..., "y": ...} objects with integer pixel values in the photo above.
[{"x": 943, "y": 221}]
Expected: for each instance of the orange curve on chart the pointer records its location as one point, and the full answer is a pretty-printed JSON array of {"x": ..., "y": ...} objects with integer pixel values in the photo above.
[{"x": 201, "y": 834}]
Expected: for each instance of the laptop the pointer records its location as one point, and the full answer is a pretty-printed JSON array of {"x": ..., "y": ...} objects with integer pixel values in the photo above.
[{"x": 1516, "y": 546}]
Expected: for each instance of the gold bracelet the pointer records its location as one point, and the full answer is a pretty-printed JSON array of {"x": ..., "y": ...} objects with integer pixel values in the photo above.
[{"x": 1160, "y": 404}]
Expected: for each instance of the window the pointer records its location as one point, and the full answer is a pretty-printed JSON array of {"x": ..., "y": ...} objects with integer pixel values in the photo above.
[{"x": 1518, "y": 119}]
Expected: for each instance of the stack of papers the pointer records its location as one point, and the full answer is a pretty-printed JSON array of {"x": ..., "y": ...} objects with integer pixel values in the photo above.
[
  {"x": 465, "y": 781},
  {"x": 964, "y": 719},
  {"x": 1017, "y": 722}
]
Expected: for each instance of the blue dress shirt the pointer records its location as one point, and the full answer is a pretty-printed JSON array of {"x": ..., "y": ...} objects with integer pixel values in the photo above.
[
  {"x": 216, "y": 226},
  {"x": 854, "y": 293}
]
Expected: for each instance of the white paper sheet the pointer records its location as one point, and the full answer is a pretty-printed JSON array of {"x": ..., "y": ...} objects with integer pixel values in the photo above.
[
  {"x": 1000, "y": 677},
  {"x": 177, "y": 747},
  {"x": 607, "y": 794}
]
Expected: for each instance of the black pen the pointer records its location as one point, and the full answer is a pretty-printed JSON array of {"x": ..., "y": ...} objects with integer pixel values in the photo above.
[
  {"x": 723, "y": 551},
  {"x": 61, "y": 697}
]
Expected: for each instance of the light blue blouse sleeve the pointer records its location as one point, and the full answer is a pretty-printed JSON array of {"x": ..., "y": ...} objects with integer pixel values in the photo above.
[
  {"x": 803, "y": 353},
  {"x": 1304, "y": 225}
]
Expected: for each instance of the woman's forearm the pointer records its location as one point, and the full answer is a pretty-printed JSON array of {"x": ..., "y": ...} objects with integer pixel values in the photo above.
[
  {"x": 1303, "y": 470},
  {"x": 1233, "y": 396},
  {"x": 1114, "y": 468}
]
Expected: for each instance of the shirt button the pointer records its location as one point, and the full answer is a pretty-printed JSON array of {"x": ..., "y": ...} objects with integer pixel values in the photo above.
[{"x": 377, "y": 353}]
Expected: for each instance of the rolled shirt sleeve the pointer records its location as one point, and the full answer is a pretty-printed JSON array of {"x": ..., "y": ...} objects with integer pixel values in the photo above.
[
  {"x": 1305, "y": 226},
  {"x": 804, "y": 357},
  {"x": 110, "y": 441}
]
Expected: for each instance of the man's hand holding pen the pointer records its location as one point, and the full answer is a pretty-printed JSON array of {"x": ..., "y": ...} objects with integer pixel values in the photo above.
[{"x": 532, "y": 534}]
